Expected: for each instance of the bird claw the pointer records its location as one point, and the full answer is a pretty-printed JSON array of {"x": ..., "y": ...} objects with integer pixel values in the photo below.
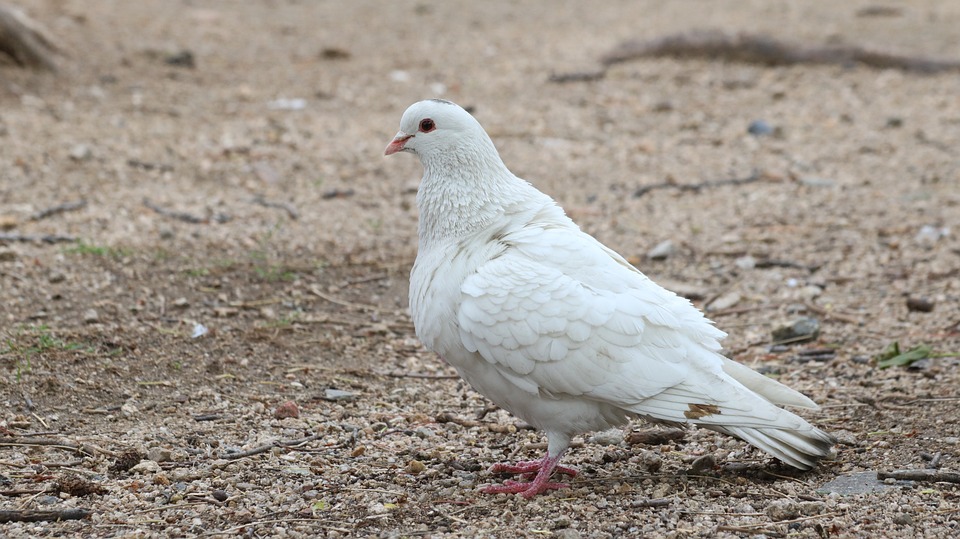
[{"x": 527, "y": 490}]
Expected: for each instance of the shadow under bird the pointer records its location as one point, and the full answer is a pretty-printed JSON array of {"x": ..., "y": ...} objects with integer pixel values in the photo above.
[{"x": 557, "y": 328}]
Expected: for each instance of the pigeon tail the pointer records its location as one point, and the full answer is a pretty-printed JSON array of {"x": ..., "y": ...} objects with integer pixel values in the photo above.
[{"x": 800, "y": 448}]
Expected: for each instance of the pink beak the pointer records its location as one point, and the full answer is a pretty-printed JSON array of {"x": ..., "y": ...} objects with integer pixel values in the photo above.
[{"x": 396, "y": 145}]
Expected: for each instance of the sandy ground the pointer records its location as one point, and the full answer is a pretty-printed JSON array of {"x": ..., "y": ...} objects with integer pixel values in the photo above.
[{"x": 857, "y": 210}]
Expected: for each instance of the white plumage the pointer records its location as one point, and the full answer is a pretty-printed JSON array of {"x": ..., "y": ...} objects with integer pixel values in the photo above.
[{"x": 555, "y": 327}]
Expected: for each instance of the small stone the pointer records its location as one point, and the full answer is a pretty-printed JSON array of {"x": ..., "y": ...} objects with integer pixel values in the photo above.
[
  {"x": 760, "y": 128},
  {"x": 219, "y": 495},
  {"x": 159, "y": 454},
  {"x": 703, "y": 464},
  {"x": 903, "y": 519},
  {"x": 725, "y": 301},
  {"x": 182, "y": 58},
  {"x": 783, "y": 510},
  {"x": 332, "y": 394},
  {"x": 146, "y": 467},
  {"x": 128, "y": 409},
  {"x": 358, "y": 451},
  {"x": 181, "y": 303},
  {"x": 48, "y": 500},
  {"x": 815, "y": 181},
  {"x": 81, "y": 152},
  {"x": 415, "y": 467},
  {"x": 567, "y": 533},
  {"x": 745, "y": 262},
  {"x": 424, "y": 432},
  {"x": 90, "y": 316},
  {"x": 7, "y": 255},
  {"x": 651, "y": 461},
  {"x": 8, "y": 222},
  {"x": 56, "y": 277},
  {"x": 929, "y": 235},
  {"x": 920, "y": 305},
  {"x": 287, "y": 409},
  {"x": 800, "y": 330},
  {"x": 662, "y": 250}
]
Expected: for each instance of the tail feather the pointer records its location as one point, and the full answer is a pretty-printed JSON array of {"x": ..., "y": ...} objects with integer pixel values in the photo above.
[
  {"x": 800, "y": 448},
  {"x": 768, "y": 388}
]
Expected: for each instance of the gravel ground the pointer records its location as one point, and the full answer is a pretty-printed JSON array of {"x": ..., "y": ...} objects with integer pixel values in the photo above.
[{"x": 308, "y": 408}]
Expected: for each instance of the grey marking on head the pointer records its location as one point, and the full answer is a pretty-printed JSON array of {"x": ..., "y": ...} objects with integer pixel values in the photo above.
[{"x": 444, "y": 101}]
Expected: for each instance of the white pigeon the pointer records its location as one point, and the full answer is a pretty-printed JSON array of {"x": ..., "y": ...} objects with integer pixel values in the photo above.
[{"x": 557, "y": 328}]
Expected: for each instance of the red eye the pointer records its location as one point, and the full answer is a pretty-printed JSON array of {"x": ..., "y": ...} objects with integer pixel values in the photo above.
[{"x": 427, "y": 125}]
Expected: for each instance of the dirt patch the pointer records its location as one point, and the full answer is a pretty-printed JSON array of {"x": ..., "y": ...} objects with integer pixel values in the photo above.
[{"x": 242, "y": 244}]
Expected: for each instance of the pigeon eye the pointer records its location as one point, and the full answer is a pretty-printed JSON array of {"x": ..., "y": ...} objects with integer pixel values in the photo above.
[{"x": 427, "y": 125}]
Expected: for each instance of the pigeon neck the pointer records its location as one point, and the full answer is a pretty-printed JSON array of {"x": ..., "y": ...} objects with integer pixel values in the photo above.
[{"x": 464, "y": 192}]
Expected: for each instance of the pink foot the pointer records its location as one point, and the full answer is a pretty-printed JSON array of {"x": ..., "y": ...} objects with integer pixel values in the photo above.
[{"x": 537, "y": 470}]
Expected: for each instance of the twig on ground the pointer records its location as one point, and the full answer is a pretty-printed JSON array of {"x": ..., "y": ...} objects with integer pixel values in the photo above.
[
  {"x": 45, "y": 238},
  {"x": 286, "y": 206},
  {"x": 424, "y": 376},
  {"x": 655, "y": 502},
  {"x": 292, "y": 444},
  {"x": 931, "y": 476},
  {"x": 59, "y": 208},
  {"x": 87, "y": 449},
  {"x": 696, "y": 187},
  {"x": 343, "y": 303},
  {"x": 30, "y": 515},
  {"x": 753, "y": 49},
  {"x": 184, "y": 216},
  {"x": 765, "y": 50}
]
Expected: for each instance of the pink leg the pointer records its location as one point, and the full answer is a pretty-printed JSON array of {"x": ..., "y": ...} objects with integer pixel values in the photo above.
[{"x": 544, "y": 468}]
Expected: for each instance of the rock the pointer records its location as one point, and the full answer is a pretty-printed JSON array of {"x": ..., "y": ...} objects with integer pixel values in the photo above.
[
  {"x": 90, "y": 316},
  {"x": 56, "y": 277},
  {"x": 745, "y": 262},
  {"x": 8, "y": 222},
  {"x": 287, "y": 409},
  {"x": 783, "y": 510},
  {"x": 662, "y": 250},
  {"x": 415, "y": 467},
  {"x": 929, "y": 235},
  {"x": 182, "y": 58},
  {"x": 424, "y": 432},
  {"x": 128, "y": 409},
  {"x": 219, "y": 495},
  {"x": 159, "y": 454},
  {"x": 725, "y": 301},
  {"x": 920, "y": 305},
  {"x": 800, "y": 330},
  {"x": 81, "y": 152},
  {"x": 566, "y": 533},
  {"x": 760, "y": 128},
  {"x": 903, "y": 519},
  {"x": 332, "y": 394},
  {"x": 703, "y": 464},
  {"x": 146, "y": 467},
  {"x": 181, "y": 303}
]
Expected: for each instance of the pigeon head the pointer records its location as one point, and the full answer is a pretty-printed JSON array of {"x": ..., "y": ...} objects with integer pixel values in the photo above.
[{"x": 436, "y": 129}]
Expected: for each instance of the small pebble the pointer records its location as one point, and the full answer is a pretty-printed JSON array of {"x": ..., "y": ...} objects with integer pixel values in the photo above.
[
  {"x": 81, "y": 152},
  {"x": 219, "y": 495},
  {"x": 703, "y": 464},
  {"x": 287, "y": 409},
  {"x": 760, "y": 128},
  {"x": 415, "y": 467},
  {"x": 920, "y": 305},
  {"x": 332, "y": 394},
  {"x": 800, "y": 330},
  {"x": 662, "y": 250},
  {"x": 7, "y": 255},
  {"x": 90, "y": 316},
  {"x": 783, "y": 510},
  {"x": 608, "y": 437}
]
